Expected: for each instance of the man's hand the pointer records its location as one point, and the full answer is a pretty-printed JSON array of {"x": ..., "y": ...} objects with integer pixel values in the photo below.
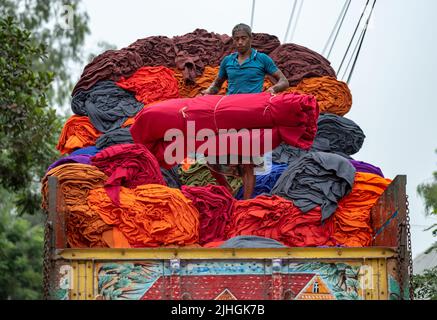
[{"x": 271, "y": 90}]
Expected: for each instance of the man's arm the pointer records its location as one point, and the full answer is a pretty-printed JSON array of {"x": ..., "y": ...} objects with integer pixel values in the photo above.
[
  {"x": 282, "y": 82},
  {"x": 215, "y": 87}
]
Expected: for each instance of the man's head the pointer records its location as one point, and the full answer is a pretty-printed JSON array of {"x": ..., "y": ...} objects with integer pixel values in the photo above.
[{"x": 242, "y": 36}]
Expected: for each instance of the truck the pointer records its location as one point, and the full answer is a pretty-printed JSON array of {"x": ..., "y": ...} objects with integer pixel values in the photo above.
[{"x": 382, "y": 271}]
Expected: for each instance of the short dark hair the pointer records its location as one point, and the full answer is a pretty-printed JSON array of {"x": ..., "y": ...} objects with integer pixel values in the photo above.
[{"x": 242, "y": 27}]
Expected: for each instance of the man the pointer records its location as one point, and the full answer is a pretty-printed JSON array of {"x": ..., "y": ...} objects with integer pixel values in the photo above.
[{"x": 245, "y": 72}]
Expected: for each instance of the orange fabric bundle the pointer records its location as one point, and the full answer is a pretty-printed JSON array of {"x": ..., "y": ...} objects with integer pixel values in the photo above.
[
  {"x": 202, "y": 82},
  {"x": 151, "y": 84},
  {"x": 277, "y": 218},
  {"x": 150, "y": 215},
  {"x": 332, "y": 95},
  {"x": 78, "y": 132},
  {"x": 352, "y": 226},
  {"x": 84, "y": 227}
]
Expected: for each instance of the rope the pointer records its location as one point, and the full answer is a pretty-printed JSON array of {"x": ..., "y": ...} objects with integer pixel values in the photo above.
[
  {"x": 353, "y": 36},
  {"x": 361, "y": 43},
  {"x": 253, "y": 14},
  {"x": 342, "y": 12},
  {"x": 290, "y": 20},
  {"x": 299, "y": 11},
  {"x": 339, "y": 28}
]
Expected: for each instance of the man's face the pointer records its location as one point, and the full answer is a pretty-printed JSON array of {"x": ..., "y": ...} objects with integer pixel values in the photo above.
[{"x": 242, "y": 41}]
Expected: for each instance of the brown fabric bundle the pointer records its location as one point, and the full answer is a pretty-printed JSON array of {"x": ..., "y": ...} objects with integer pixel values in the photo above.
[
  {"x": 198, "y": 49},
  {"x": 110, "y": 65},
  {"x": 333, "y": 96},
  {"x": 298, "y": 62},
  {"x": 150, "y": 215},
  {"x": 155, "y": 51},
  {"x": 84, "y": 227},
  {"x": 78, "y": 132}
]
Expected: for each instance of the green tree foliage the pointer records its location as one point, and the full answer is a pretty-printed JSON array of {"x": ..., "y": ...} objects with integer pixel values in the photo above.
[
  {"x": 28, "y": 127},
  {"x": 62, "y": 27},
  {"x": 21, "y": 249},
  {"x": 425, "y": 285},
  {"x": 428, "y": 191}
]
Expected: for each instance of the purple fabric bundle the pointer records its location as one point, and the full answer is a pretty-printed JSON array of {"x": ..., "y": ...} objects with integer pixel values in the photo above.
[
  {"x": 83, "y": 158},
  {"x": 361, "y": 166}
]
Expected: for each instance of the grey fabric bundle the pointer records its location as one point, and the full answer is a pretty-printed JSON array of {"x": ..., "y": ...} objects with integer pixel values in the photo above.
[
  {"x": 117, "y": 136},
  {"x": 107, "y": 105},
  {"x": 338, "y": 135},
  {"x": 316, "y": 179},
  {"x": 171, "y": 177},
  {"x": 285, "y": 153},
  {"x": 251, "y": 242}
]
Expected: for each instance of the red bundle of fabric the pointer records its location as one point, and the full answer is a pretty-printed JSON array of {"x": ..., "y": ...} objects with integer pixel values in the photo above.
[
  {"x": 278, "y": 219},
  {"x": 128, "y": 165},
  {"x": 214, "y": 204},
  {"x": 151, "y": 84},
  {"x": 110, "y": 65},
  {"x": 292, "y": 118}
]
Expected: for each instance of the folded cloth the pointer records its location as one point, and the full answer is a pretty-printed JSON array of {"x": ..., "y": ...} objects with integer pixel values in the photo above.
[
  {"x": 214, "y": 204},
  {"x": 149, "y": 216},
  {"x": 155, "y": 51},
  {"x": 151, "y": 84},
  {"x": 128, "y": 165},
  {"x": 333, "y": 96},
  {"x": 277, "y": 218},
  {"x": 290, "y": 117},
  {"x": 199, "y": 175},
  {"x": 110, "y": 65},
  {"x": 364, "y": 167},
  {"x": 287, "y": 154},
  {"x": 86, "y": 151},
  {"x": 338, "y": 135},
  {"x": 298, "y": 63},
  {"x": 113, "y": 137},
  {"x": 352, "y": 225},
  {"x": 107, "y": 105},
  {"x": 251, "y": 242},
  {"x": 198, "y": 49},
  {"x": 78, "y": 132},
  {"x": 316, "y": 179},
  {"x": 171, "y": 177},
  {"x": 265, "y": 183},
  {"x": 84, "y": 159},
  {"x": 84, "y": 228}
]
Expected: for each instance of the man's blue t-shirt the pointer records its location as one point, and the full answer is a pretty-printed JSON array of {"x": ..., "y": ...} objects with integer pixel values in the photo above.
[{"x": 249, "y": 76}]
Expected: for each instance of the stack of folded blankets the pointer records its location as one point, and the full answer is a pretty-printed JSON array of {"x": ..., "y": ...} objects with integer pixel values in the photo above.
[{"x": 119, "y": 190}]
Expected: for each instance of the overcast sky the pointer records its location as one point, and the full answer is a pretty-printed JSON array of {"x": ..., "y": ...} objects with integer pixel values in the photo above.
[{"x": 393, "y": 86}]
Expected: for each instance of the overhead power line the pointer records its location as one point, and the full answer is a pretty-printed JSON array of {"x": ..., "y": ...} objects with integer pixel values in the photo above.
[
  {"x": 290, "y": 20},
  {"x": 299, "y": 11},
  {"x": 253, "y": 14},
  {"x": 361, "y": 43},
  {"x": 353, "y": 36},
  {"x": 339, "y": 28}
]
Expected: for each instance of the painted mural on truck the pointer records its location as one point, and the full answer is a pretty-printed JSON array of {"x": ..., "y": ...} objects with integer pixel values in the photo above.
[{"x": 232, "y": 280}]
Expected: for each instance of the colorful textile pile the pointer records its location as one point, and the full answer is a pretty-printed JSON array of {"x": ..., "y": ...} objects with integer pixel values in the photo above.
[
  {"x": 352, "y": 226},
  {"x": 151, "y": 84},
  {"x": 333, "y": 96},
  {"x": 316, "y": 179},
  {"x": 149, "y": 216},
  {"x": 278, "y": 219},
  {"x": 215, "y": 205},
  {"x": 128, "y": 165},
  {"x": 78, "y": 132}
]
